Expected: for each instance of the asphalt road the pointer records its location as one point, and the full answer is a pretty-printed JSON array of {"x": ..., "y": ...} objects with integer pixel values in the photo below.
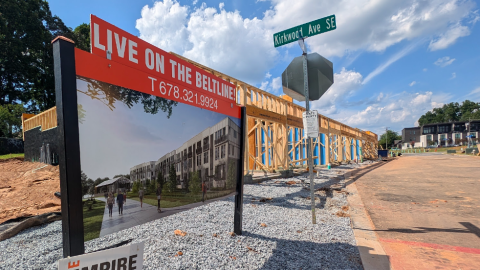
[{"x": 426, "y": 210}]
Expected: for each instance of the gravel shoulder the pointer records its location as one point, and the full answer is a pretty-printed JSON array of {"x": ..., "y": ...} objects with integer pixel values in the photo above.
[{"x": 277, "y": 233}]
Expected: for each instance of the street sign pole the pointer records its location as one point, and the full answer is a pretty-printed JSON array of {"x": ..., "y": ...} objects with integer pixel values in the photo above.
[
  {"x": 309, "y": 140},
  {"x": 299, "y": 33}
]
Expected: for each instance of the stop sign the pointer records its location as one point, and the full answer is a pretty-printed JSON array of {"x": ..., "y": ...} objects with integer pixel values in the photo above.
[{"x": 320, "y": 77}]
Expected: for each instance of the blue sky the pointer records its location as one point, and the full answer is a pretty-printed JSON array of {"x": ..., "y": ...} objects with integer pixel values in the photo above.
[{"x": 393, "y": 60}]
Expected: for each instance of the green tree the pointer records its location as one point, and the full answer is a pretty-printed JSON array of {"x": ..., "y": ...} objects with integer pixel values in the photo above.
[
  {"x": 231, "y": 177},
  {"x": 147, "y": 185},
  {"x": 392, "y": 136},
  {"x": 160, "y": 180},
  {"x": 81, "y": 36},
  {"x": 172, "y": 179},
  {"x": 27, "y": 28},
  {"x": 87, "y": 183},
  {"x": 451, "y": 112},
  {"x": 10, "y": 120},
  {"x": 195, "y": 183},
  {"x": 136, "y": 187}
]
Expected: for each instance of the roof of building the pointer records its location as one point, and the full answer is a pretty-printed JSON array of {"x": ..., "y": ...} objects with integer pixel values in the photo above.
[
  {"x": 122, "y": 180},
  {"x": 456, "y": 122}
]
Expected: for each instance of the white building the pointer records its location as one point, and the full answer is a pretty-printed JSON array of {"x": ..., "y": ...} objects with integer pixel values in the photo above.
[{"x": 214, "y": 153}]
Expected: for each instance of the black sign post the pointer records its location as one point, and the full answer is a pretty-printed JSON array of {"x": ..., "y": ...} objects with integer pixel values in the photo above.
[
  {"x": 238, "y": 218},
  {"x": 69, "y": 146}
]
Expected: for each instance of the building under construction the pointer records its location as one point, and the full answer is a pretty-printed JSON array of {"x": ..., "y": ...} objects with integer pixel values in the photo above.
[{"x": 274, "y": 132}]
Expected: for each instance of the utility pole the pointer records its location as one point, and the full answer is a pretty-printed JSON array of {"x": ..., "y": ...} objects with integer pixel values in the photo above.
[
  {"x": 386, "y": 139},
  {"x": 301, "y": 42}
]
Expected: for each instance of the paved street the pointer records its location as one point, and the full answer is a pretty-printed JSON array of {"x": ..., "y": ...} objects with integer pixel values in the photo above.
[
  {"x": 426, "y": 210},
  {"x": 134, "y": 215}
]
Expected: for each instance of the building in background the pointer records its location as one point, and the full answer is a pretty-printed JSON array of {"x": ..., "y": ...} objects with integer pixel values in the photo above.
[
  {"x": 214, "y": 153},
  {"x": 143, "y": 172},
  {"x": 444, "y": 134}
]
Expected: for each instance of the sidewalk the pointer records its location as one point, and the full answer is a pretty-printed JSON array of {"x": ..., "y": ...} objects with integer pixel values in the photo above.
[{"x": 134, "y": 215}]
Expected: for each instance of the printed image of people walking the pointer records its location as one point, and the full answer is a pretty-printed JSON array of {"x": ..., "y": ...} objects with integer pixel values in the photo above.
[{"x": 110, "y": 201}]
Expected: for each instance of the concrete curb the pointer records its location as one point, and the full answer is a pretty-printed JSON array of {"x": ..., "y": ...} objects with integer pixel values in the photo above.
[{"x": 372, "y": 254}]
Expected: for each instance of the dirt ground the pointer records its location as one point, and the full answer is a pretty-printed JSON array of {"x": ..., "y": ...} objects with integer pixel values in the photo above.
[
  {"x": 26, "y": 190},
  {"x": 426, "y": 210}
]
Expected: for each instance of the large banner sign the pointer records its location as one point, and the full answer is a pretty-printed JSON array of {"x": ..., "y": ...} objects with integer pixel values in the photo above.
[
  {"x": 138, "y": 65},
  {"x": 145, "y": 134}
]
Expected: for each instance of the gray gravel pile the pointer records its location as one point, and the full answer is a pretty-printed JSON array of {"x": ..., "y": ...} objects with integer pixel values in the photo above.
[{"x": 278, "y": 233}]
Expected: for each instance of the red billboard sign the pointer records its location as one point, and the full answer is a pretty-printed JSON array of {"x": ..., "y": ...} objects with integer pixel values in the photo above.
[{"x": 151, "y": 70}]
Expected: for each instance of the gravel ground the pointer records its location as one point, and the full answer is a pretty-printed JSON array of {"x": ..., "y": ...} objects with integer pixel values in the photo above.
[{"x": 287, "y": 241}]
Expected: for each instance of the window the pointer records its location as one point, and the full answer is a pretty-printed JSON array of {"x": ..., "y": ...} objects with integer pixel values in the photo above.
[
  {"x": 222, "y": 148},
  {"x": 473, "y": 135},
  {"x": 199, "y": 144},
  {"x": 428, "y": 130},
  {"x": 457, "y": 135},
  {"x": 443, "y": 129},
  {"x": 205, "y": 157},
  {"x": 229, "y": 147},
  {"x": 199, "y": 160},
  {"x": 414, "y": 132},
  {"x": 234, "y": 134},
  {"x": 205, "y": 141},
  {"x": 233, "y": 150},
  {"x": 216, "y": 153}
]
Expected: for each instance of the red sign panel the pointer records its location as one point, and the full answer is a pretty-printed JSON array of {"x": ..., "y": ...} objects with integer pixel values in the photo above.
[
  {"x": 101, "y": 69},
  {"x": 163, "y": 72}
]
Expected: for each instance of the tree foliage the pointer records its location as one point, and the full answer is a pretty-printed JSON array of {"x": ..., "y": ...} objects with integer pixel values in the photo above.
[
  {"x": 451, "y": 112},
  {"x": 10, "y": 120},
  {"x": 195, "y": 183},
  {"x": 392, "y": 136},
  {"x": 87, "y": 183},
  {"x": 109, "y": 94},
  {"x": 81, "y": 35},
  {"x": 27, "y": 28},
  {"x": 160, "y": 180},
  {"x": 172, "y": 180}
]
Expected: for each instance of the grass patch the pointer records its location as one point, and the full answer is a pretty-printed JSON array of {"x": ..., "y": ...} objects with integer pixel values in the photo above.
[
  {"x": 176, "y": 199},
  {"x": 7, "y": 156},
  {"x": 92, "y": 219}
]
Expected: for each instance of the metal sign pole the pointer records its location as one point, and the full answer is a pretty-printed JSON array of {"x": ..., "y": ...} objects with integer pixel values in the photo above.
[{"x": 309, "y": 140}]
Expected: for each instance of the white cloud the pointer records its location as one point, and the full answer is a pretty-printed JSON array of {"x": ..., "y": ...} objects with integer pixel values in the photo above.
[
  {"x": 268, "y": 75},
  {"x": 475, "y": 93},
  {"x": 273, "y": 86},
  {"x": 264, "y": 85},
  {"x": 397, "y": 112},
  {"x": 345, "y": 84},
  {"x": 243, "y": 48},
  {"x": 390, "y": 61},
  {"x": 454, "y": 75},
  {"x": 222, "y": 40},
  {"x": 195, "y": 2},
  {"x": 370, "y": 25},
  {"x": 425, "y": 70},
  {"x": 412, "y": 83},
  {"x": 276, "y": 84},
  {"x": 444, "y": 61},
  {"x": 449, "y": 37}
]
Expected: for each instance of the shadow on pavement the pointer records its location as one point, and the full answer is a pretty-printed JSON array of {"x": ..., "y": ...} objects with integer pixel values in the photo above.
[
  {"x": 292, "y": 254},
  {"x": 470, "y": 228}
]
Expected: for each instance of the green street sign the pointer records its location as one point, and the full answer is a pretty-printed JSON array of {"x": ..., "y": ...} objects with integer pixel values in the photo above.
[{"x": 306, "y": 30}]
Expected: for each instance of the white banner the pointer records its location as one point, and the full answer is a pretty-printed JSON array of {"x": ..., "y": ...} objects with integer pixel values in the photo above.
[
  {"x": 310, "y": 124},
  {"x": 128, "y": 257}
]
